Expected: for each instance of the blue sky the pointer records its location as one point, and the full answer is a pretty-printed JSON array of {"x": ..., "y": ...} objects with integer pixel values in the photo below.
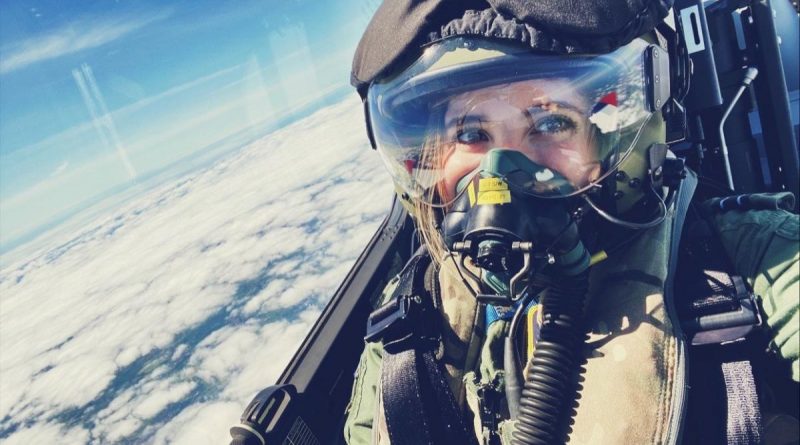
[{"x": 97, "y": 97}]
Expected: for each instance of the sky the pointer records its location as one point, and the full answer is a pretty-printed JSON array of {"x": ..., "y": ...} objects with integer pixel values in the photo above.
[
  {"x": 102, "y": 97},
  {"x": 159, "y": 321}
]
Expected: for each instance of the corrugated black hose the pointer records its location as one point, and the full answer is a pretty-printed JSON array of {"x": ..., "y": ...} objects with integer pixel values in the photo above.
[{"x": 551, "y": 383}]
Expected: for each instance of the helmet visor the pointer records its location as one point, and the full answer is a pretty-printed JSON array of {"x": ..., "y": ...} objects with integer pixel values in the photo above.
[{"x": 574, "y": 117}]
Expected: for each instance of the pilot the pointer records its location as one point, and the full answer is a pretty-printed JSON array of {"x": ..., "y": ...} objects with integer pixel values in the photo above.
[{"x": 562, "y": 290}]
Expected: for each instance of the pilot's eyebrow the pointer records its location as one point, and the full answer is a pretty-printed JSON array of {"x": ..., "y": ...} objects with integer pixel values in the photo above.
[
  {"x": 540, "y": 108},
  {"x": 469, "y": 118}
]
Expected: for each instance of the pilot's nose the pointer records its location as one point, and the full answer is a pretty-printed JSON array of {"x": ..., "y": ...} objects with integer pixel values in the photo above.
[{"x": 514, "y": 137}]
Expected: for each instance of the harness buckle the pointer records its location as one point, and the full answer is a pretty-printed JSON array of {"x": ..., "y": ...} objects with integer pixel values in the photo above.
[
  {"x": 406, "y": 322},
  {"x": 722, "y": 319}
]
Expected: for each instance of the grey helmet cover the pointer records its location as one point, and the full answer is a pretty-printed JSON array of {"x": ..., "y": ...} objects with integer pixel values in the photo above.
[{"x": 398, "y": 31}]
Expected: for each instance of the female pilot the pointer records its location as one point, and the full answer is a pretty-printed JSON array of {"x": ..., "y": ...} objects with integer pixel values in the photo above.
[{"x": 533, "y": 162}]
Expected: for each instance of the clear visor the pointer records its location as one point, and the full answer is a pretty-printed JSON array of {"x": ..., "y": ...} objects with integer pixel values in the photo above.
[{"x": 574, "y": 117}]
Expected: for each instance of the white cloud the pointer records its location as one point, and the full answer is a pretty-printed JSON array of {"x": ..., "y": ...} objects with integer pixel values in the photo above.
[
  {"x": 146, "y": 312},
  {"x": 47, "y": 433},
  {"x": 72, "y": 38},
  {"x": 60, "y": 169},
  {"x": 168, "y": 392},
  {"x": 200, "y": 424}
]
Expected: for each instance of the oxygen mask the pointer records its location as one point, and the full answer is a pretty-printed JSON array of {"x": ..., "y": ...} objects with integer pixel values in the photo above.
[{"x": 508, "y": 233}]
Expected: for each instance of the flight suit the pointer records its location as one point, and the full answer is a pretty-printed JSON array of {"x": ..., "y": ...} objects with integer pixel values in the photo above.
[{"x": 634, "y": 383}]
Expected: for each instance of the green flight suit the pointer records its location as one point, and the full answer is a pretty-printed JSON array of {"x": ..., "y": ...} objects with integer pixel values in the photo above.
[{"x": 763, "y": 246}]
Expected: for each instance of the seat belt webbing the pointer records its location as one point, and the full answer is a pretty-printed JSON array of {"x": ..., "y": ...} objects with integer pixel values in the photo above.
[
  {"x": 744, "y": 415},
  {"x": 418, "y": 403}
]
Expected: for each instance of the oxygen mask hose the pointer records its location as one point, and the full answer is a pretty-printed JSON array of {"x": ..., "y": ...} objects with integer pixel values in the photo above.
[
  {"x": 551, "y": 382},
  {"x": 515, "y": 238}
]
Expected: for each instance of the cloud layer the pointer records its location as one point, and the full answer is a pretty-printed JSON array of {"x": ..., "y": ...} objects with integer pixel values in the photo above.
[
  {"x": 134, "y": 329},
  {"x": 79, "y": 36}
]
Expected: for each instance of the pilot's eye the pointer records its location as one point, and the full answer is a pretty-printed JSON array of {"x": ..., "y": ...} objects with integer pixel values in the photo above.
[
  {"x": 553, "y": 124},
  {"x": 471, "y": 136}
]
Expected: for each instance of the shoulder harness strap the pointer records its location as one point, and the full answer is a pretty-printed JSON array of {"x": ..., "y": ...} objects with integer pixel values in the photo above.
[
  {"x": 419, "y": 406},
  {"x": 720, "y": 314}
]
